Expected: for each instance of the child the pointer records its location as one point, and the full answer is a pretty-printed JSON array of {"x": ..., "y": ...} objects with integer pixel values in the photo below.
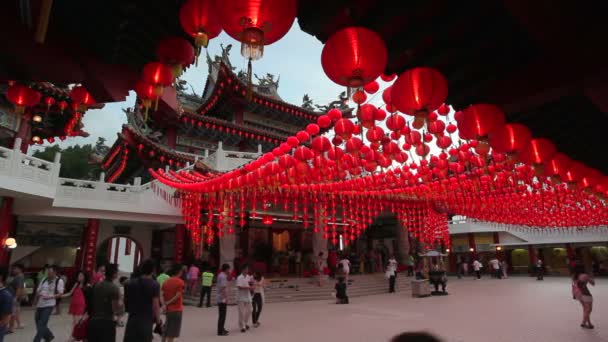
[{"x": 341, "y": 297}]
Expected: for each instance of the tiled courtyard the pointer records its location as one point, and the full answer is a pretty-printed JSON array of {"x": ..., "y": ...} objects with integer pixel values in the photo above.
[{"x": 515, "y": 309}]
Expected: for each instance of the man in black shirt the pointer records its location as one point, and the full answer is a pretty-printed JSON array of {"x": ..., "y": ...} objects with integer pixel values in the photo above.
[
  {"x": 103, "y": 305},
  {"x": 143, "y": 305}
]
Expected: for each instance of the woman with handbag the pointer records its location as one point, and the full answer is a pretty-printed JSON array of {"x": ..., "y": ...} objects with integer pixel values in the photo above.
[{"x": 78, "y": 304}]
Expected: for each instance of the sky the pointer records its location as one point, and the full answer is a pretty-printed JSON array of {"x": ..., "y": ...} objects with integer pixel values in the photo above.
[{"x": 296, "y": 58}]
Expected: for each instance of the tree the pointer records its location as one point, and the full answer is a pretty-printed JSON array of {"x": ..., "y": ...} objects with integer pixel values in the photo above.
[{"x": 75, "y": 161}]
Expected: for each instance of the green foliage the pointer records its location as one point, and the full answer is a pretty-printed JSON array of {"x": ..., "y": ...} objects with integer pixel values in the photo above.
[{"x": 75, "y": 161}]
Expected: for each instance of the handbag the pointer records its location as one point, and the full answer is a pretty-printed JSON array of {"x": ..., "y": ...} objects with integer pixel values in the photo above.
[
  {"x": 80, "y": 330},
  {"x": 159, "y": 328}
]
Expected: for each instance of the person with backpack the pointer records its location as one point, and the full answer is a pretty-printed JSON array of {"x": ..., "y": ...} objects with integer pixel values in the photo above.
[
  {"x": 6, "y": 303},
  {"x": 103, "y": 306},
  {"x": 49, "y": 289}
]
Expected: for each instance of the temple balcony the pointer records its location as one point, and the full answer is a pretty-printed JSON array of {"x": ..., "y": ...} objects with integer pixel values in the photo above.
[{"x": 223, "y": 160}]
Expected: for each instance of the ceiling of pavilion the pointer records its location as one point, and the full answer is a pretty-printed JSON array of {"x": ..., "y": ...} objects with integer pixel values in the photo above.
[{"x": 542, "y": 62}]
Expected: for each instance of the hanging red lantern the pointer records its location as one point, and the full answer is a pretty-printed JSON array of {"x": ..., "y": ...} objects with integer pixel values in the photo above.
[
  {"x": 480, "y": 120},
  {"x": 388, "y": 78},
  {"x": 372, "y": 87},
  {"x": 199, "y": 20},
  {"x": 538, "y": 151},
  {"x": 344, "y": 128},
  {"x": 354, "y": 56},
  {"x": 176, "y": 52},
  {"x": 359, "y": 97},
  {"x": 22, "y": 97},
  {"x": 510, "y": 138},
  {"x": 267, "y": 220},
  {"x": 256, "y": 23},
  {"x": 419, "y": 91},
  {"x": 158, "y": 75},
  {"x": 324, "y": 121},
  {"x": 81, "y": 97},
  {"x": 334, "y": 114},
  {"x": 395, "y": 122},
  {"x": 558, "y": 165},
  {"x": 146, "y": 93}
]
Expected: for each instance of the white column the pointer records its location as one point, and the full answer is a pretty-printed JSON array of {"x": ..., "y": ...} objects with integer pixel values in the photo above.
[
  {"x": 319, "y": 244},
  {"x": 403, "y": 244},
  {"x": 227, "y": 242}
]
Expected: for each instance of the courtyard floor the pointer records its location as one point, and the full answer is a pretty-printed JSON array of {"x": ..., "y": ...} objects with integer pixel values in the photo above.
[{"x": 515, "y": 309}]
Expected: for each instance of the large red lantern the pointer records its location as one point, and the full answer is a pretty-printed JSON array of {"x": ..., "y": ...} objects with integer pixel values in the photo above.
[
  {"x": 256, "y": 23},
  {"x": 480, "y": 120},
  {"x": 538, "y": 151},
  {"x": 199, "y": 20},
  {"x": 22, "y": 97},
  {"x": 146, "y": 94},
  {"x": 158, "y": 75},
  {"x": 344, "y": 128},
  {"x": 558, "y": 165},
  {"x": 354, "y": 56},
  {"x": 419, "y": 91},
  {"x": 510, "y": 138},
  {"x": 176, "y": 52},
  {"x": 81, "y": 97}
]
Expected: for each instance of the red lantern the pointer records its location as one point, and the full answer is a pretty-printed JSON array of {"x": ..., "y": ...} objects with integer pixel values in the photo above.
[
  {"x": 558, "y": 165},
  {"x": 324, "y": 121},
  {"x": 359, "y": 97},
  {"x": 510, "y": 138},
  {"x": 22, "y": 97},
  {"x": 538, "y": 151},
  {"x": 344, "y": 128},
  {"x": 354, "y": 56},
  {"x": 334, "y": 114},
  {"x": 158, "y": 75},
  {"x": 395, "y": 122},
  {"x": 256, "y": 23},
  {"x": 81, "y": 97},
  {"x": 419, "y": 90},
  {"x": 176, "y": 52},
  {"x": 480, "y": 120},
  {"x": 388, "y": 78},
  {"x": 267, "y": 220},
  {"x": 372, "y": 87},
  {"x": 199, "y": 20}
]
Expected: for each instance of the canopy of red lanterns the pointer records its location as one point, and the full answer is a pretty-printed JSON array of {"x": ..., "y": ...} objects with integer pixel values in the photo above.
[{"x": 480, "y": 166}]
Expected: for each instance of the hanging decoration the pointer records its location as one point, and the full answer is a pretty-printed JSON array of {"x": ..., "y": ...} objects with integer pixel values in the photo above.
[{"x": 199, "y": 19}]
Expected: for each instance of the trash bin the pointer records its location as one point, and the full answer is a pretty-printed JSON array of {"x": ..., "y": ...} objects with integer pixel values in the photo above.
[{"x": 420, "y": 288}]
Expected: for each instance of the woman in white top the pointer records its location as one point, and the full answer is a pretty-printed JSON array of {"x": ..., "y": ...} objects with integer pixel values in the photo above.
[
  {"x": 477, "y": 268},
  {"x": 391, "y": 272},
  {"x": 345, "y": 267},
  {"x": 258, "y": 297}
]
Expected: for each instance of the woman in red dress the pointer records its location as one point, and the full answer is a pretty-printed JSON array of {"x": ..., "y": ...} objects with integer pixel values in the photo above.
[{"x": 78, "y": 305}]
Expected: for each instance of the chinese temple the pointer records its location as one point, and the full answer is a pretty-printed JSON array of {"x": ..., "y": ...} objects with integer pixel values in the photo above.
[{"x": 492, "y": 110}]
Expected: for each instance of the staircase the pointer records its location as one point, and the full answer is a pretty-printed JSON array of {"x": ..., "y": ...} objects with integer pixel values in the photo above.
[{"x": 305, "y": 289}]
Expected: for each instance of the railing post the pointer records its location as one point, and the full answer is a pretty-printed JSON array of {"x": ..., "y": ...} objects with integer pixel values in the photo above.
[
  {"x": 206, "y": 153},
  {"x": 15, "y": 160},
  {"x": 56, "y": 168},
  {"x": 259, "y": 148},
  {"x": 102, "y": 177},
  {"x": 137, "y": 181},
  {"x": 220, "y": 157}
]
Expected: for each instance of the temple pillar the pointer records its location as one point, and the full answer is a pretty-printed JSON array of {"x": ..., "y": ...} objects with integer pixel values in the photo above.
[
  {"x": 89, "y": 246},
  {"x": 532, "y": 255},
  {"x": 7, "y": 228},
  {"x": 227, "y": 249},
  {"x": 179, "y": 243},
  {"x": 23, "y": 133},
  {"x": 171, "y": 134},
  {"x": 319, "y": 242},
  {"x": 472, "y": 246}
]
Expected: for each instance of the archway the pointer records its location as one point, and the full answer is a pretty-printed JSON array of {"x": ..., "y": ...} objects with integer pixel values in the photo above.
[{"x": 122, "y": 250}]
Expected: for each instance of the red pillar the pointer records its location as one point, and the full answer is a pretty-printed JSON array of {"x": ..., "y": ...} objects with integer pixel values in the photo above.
[
  {"x": 24, "y": 132},
  {"x": 178, "y": 248},
  {"x": 7, "y": 228},
  {"x": 89, "y": 247},
  {"x": 171, "y": 136},
  {"x": 471, "y": 237}
]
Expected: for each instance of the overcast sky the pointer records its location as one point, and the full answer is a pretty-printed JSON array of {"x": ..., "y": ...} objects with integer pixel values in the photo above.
[{"x": 296, "y": 58}]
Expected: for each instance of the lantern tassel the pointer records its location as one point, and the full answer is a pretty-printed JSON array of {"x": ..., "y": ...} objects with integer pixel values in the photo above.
[{"x": 249, "y": 82}]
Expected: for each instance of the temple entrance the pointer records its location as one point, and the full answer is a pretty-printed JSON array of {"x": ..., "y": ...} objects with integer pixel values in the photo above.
[{"x": 121, "y": 250}]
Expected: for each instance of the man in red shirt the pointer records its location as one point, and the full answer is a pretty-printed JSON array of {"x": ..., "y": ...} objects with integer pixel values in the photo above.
[{"x": 173, "y": 297}]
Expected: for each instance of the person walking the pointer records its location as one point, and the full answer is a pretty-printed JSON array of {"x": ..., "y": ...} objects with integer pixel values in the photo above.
[
  {"x": 17, "y": 288},
  {"x": 580, "y": 292},
  {"x": 160, "y": 279},
  {"x": 206, "y": 283},
  {"x": 48, "y": 291},
  {"x": 258, "y": 298},
  {"x": 143, "y": 304},
  {"x": 504, "y": 265},
  {"x": 477, "y": 268},
  {"x": 244, "y": 286},
  {"x": 495, "y": 265},
  {"x": 173, "y": 297},
  {"x": 104, "y": 305},
  {"x": 193, "y": 274},
  {"x": 78, "y": 303},
  {"x": 391, "y": 272},
  {"x": 540, "y": 274},
  {"x": 345, "y": 267},
  {"x": 222, "y": 299},
  {"x": 6, "y": 303}
]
